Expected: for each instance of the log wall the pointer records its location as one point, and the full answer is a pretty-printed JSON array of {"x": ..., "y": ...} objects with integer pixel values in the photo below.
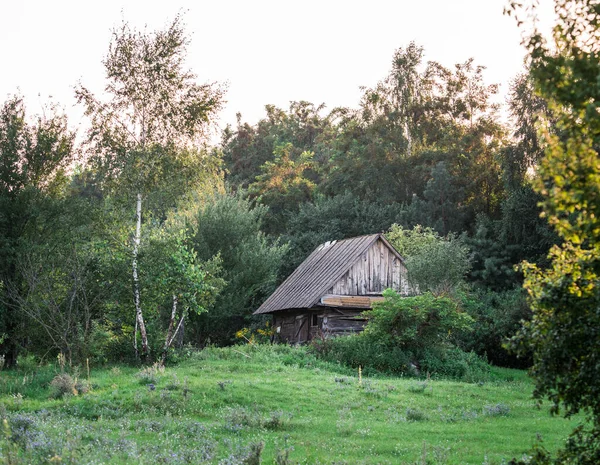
[{"x": 298, "y": 326}]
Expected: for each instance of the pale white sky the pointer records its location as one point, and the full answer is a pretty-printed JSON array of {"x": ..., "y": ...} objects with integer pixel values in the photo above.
[{"x": 269, "y": 51}]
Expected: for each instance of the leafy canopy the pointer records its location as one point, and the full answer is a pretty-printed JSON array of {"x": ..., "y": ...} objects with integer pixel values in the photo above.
[{"x": 566, "y": 297}]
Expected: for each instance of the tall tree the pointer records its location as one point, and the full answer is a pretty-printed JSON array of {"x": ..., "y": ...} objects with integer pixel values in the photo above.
[
  {"x": 228, "y": 227},
  {"x": 284, "y": 185},
  {"x": 566, "y": 297},
  {"x": 33, "y": 160},
  {"x": 146, "y": 135},
  {"x": 247, "y": 148},
  {"x": 527, "y": 110},
  {"x": 420, "y": 114}
]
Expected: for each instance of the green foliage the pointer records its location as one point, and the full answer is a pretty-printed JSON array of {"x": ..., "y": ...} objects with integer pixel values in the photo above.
[
  {"x": 440, "y": 267},
  {"x": 565, "y": 298},
  {"x": 33, "y": 161},
  {"x": 435, "y": 264},
  {"x": 528, "y": 110},
  {"x": 410, "y": 242},
  {"x": 283, "y": 184},
  {"x": 441, "y": 207},
  {"x": 425, "y": 135},
  {"x": 499, "y": 246},
  {"x": 248, "y": 148},
  {"x": 409, "y": 335},
  {"x": 455, "y": 363},
  {"x": 418, "y": 115},
  {"x": 497, "y": 316},
  {"x": 146, "y": 141},
  {"x": 228, "y": 226},
  {"x": 374, "y": 355},
  {"x": 172, "y": 267},
  {"x": 416, "y": 323}
]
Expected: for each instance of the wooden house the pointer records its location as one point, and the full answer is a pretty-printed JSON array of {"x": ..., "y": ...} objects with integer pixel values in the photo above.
[{"x": 328, "y": 292}]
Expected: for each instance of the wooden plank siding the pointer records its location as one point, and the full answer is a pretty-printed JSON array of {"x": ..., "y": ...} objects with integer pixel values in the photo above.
[
  {"x": 377, "y": 269},
  {"x": 305, "y": 286},
  {"x": 326, "y": 295},
  {"x": 295, "y": 326}
]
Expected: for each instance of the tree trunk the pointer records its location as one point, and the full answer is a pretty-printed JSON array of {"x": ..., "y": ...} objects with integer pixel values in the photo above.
[
  {"x": 136, "y": 282},
  {"x": 180, "y": 335},
  {"x": 169, "y": 337}
]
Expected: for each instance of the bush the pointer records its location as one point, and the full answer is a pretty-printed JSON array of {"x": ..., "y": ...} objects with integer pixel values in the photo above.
[
  {"x": 378, "y": 357},
  {"x": 416, "y": 323},
  {"x": 497, "y": 317},
  {"x": 414, "y": 414},
  {"x": 455, "y": 363},
  {"x": 150, "y": 374},
  {"x": 357, "y": 351},
  {"x": 436, "y": 264},
  {"x": 63, "y": 384},
  {"x": 497, "y": 410},
  {"x": 408, "y": 336}
]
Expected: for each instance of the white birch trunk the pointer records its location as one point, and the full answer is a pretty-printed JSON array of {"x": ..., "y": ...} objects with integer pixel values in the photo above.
[
  {"x": 170, "y": 336},
  {"x": 408, "y": 139},
  {"x": 136, "y": 281}
]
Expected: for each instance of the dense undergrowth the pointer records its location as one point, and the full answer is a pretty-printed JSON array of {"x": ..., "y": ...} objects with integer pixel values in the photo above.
[{"x": 265, "y": 404}]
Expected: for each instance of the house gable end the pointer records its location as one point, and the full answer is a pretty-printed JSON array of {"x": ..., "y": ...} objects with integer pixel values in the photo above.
[{"x": 380, "y": 267}]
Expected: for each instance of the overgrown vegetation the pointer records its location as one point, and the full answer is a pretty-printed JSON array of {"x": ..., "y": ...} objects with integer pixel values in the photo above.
[
  {"x": 565, "y": 297},
  {"x": 267, "y": 404},
  {"x": 410, "y": 336},
  {"x": 145, "y": 243},
  {"x": 145, "y": 238}
]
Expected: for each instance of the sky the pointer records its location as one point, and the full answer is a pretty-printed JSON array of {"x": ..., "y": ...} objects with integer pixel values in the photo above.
[{"x": 266, "y": 51}]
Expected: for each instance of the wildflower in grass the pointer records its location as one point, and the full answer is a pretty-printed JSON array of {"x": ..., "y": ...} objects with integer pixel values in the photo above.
[{"x": 496, "y": 410}]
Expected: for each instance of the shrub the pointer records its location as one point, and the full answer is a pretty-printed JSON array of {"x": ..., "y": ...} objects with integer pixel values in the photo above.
[
  {"x": 358, "y": 351},
  {"x": 254, "y": 454},
  {"x": 82, "y": 386},
  {"x": 150, "y": 374},
  {"x": 408, "y": 335},
  {"x": 278, "y": 419},
  {"x": 63, "y": 384},
  {"x": 414, "y": 323},
  {"x": 454, "y": 363},
  {"x": 497, "y": 410},
  {"x": 414, "y": 414},
  {"x": 498, "y": 316},
  {"x": 436, "y": 264},
  {"x": 419, "y": 388},
  {"x": 237, "y": 418}
]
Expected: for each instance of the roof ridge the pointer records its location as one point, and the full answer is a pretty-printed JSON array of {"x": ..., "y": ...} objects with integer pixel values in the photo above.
[{"x": 324, "y": 266}]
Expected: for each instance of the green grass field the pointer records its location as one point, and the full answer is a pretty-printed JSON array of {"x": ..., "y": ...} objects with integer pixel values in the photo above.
[{"x": 220, "y": 405}]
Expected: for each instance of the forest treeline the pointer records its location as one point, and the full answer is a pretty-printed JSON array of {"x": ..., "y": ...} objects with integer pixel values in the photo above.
[{"x": 139, "y": 236}]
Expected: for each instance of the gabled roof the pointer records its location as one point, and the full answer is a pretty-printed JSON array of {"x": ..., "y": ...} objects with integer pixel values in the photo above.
[{"x": 319, "y": 272}]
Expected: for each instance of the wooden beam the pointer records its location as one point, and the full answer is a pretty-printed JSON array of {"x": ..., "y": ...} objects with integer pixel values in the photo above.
[{"x": 349, "y": 301}]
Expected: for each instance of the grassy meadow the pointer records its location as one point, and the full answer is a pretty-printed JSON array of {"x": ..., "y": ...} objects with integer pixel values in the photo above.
[{"x": 234, "y": 405}]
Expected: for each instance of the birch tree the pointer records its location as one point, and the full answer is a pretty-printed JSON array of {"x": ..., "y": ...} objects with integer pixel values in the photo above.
[
  {"x": 176, "y": 275},
  {"x": 147, "y": 130}
]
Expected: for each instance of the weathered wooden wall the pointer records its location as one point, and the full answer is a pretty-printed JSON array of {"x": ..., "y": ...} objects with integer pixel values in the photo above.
[
  {"x": 376, "y": 270},
  {"x": 296, "y": 326}
]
